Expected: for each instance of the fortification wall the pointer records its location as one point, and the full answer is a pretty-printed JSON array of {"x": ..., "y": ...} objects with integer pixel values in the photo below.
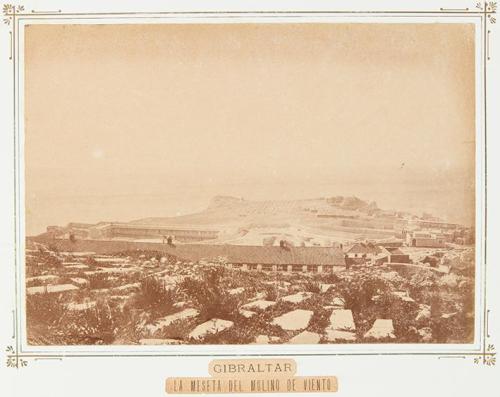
[{"x": 100, "y": 246}]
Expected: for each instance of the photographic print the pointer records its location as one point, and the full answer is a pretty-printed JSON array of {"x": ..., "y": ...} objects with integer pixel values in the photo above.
[{"x": 250, "y": 183}]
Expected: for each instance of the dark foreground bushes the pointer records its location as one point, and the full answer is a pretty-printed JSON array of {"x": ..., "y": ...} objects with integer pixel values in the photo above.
[{"x": 209, "y": 294}]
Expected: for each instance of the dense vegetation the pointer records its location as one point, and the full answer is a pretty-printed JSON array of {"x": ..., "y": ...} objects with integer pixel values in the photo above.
[{"x": 122, "y": 306}]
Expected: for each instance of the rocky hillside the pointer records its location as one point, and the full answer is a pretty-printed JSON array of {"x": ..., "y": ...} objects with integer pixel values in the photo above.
[{"x": 234, "y": 211}]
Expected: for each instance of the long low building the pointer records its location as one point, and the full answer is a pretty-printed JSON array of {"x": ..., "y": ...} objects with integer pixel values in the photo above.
[
  {"x": 124, "y": 230},
  {"x": 133, "y": 231},
  {"x": 266, "y": 258}
]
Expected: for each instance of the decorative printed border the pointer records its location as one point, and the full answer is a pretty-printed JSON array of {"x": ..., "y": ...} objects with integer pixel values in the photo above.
[{"x": 11, "y": 14}]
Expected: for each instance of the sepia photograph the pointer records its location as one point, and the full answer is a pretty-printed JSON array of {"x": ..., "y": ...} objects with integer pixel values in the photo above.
[{"x": 249, "y": 183}]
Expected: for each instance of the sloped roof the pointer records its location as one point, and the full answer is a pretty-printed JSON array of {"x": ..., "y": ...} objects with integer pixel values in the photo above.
[
  {"x": 362, "y": 248},
  {"x": 260, "y": 254}
]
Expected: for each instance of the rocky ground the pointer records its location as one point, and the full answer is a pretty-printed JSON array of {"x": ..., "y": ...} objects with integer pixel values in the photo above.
[{"x": 146, "y": 298}]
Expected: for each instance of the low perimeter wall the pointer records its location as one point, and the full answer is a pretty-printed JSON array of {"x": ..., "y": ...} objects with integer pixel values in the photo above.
[{"x": 100, "y": 246}]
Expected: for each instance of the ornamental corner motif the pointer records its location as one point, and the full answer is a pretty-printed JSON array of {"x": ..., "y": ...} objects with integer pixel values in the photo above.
[
  {"x": 13, "y": 360},
  {"x": 10, "y": 11},
  {"x": 489, "y": 8},
  {"x": 488, "y": 357}
]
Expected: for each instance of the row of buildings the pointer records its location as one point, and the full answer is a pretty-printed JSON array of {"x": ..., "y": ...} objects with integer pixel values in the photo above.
[
  {"x": 423, "y": 236},
  {"x": 117, "y": 230},
  {"x": 281, "y": 258},
  {"x": 194, "y": 244},
  {"x": 438, "y": 238}
]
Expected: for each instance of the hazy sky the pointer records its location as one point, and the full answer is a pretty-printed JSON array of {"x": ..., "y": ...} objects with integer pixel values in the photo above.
[{"x": 125, "y": 121}]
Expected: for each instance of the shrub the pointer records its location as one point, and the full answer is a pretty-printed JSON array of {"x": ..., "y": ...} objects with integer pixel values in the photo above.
[
  {"x": 312, "y": 286},
  {"x": 99, "y": 281},
  {"x": 271, "y": 291},
  {"x": 179, "y": 329},
  {"x": 130, "y": 326},
  {"x": 154, "y": 298},
  {"x": 321, "y": 317},
  {"x": 95, "y": 326},
  {"x": 233, "y": 336},
  {"x": 51, "y": 247},
  {"x": 359, "y": 293},
  {"x": 46, "y": 258},
  {"x": 331, "y": 278},
  {"x": 44, "y": 309},
  {"x": 90, "y": 261},
  {"x": 457, "y": 329},
  {"x": 210, "y": 295}
]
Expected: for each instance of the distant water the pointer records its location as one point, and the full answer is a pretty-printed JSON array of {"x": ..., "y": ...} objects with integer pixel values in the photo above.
[{"x": 44, "y": 209}]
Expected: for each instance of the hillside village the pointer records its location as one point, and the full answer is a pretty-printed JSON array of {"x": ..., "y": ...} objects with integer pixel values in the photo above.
[{"x": 334, "y": 270}]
